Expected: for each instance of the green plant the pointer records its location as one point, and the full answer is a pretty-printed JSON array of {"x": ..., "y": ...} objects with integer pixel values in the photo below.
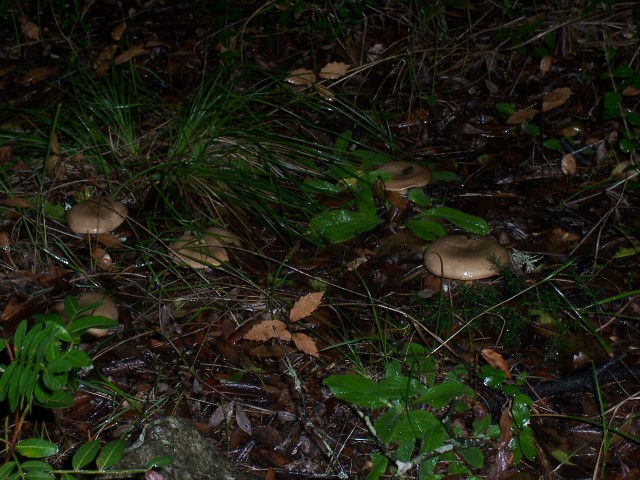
[
  {"x": 43, "y": 370},
  {"x": 414, "y": 411}
]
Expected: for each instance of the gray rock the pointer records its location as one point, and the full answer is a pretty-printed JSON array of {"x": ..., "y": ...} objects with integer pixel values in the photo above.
[{"x": 193, "y": 457}]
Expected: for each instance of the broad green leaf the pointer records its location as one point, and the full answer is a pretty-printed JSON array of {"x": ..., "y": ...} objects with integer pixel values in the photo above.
[
  {"x": 85, "y": 454},
  {"x": 433, "y": 438},
  {"x": 77, "y": 358},
  {"x": 468, "y": 222},
  {"x": 18, "y": 337},
  {"x": 380, "y": 463},
  {"x": 623, "y": 71},
  {"x": 36, "y": 448},
  {"x": 505, "y": 108},
  {"x": 492, "y": 377},
  {"x": 316, "y": 186},
  {"x": 472, "y": 455},
  {"x": 54, "y": 381},
  {"x": 445, "y": 176},
  {"x": 57, "y": 399},
  {"x": 419, "y": 197},
  {"x": 67, "y": 476},
  {"x": 158, "y": 462},
  {"x": 611, "y": 105},
  {"x": 442, "y": 394},
  {"x": 341, "y": 225},
  {"x": 51, "y": 210},
  {"x": 7, "y": 469},
  {"x": 634, "y": 119},
  {"x": 71, "y": 306},
  {"x": 627, "y": 145},
  {"x": 398, "y": 387},
  {"x": 8, "y": 377},
  {"x": 111, "y": 453},
  {"x": 553, "y": 144},
  {"x": 527, "y": 444},
  {"x": 481, "y": 424},
  {"x": 82, "y": 324},
  {"x": 521, "y": 410},
  {"x": 426, "y": 229},
  {"x": 404, "y": 452},
  {"x": 35, "y": 466},
  {"x": 400, "y": 425},
  {"x": 355, "y": 389}
]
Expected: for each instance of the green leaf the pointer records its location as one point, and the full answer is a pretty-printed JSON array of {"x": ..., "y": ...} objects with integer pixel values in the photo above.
[
  {"x": 419, "y": 197},
  {"x": 505, "y": 108},
  {"x": 404, "y": 452},
  {"x": 553, "y": 144},
  {"x": 77, "y": 358},
  {"x": 111, "y": 453},
  {"x": 85, "y": 454},
  {"x": 67, "y": 476},
  {"x": 627, "y": 145},
  {"x": 433, "y": 438},
  {"x": 71, "y": 306},
  {"x": 611, "y": 105},
  {"x": 7, "y": 469},
  {"x": 400, "y": 425},
  {"x": 316, "y": 186},
  {"x": 35, "y": 466},
  {"x": 473, "y": 456},
  {"x": 57, "y": 399},
  {"x": 8, "y": 377},
  {"x": 468, "y": 222},
  {"x": 426, "y": 229},
  {"x": 623, "y": 71},
  {"x": 18, "y": 337},
  {"x": 341, "y": 225},
  {"x": 355, "y": 389},
  {"x": 440, "y": 395},
  {"x": 521, "y": 410},
  {"x": 527, "y": 444},
  {"x": 82, "y": 324},
  {"x": 445, "y": 176},
  {"x": 380, "y": 463},
  {"x": 159, "y": 462},
  {"x": 56, "y": 212},
  {"x": 36, "y": 448}
]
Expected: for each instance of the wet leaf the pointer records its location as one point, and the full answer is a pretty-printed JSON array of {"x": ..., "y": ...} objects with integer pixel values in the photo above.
[
  {"x": 341, "y": 225},
  {"x": 268, "y": 329},
  {"x": 36, "y": 448},
  {"x": 426, "y": 229},
  {"x": 521, "y": 410},
  {"x": 554, "y": 99},
  {"x": 380, "y": 463},
  {"x": 494, "y": 359},
  {"x": 394, "y": 426},
  {"x": 305, "y": 344},
  {"x": 85, "y": 454},
  {"x": 111, "y": 453},
  {"x": 305, "y": 306},
  {"x": 611, "y": 105},
  {"x": 468, "y": 222},
  {"x": 521, "y": 116},
  {"x": 472, "y": 455},
  {"x": 442, "y": 394},
  {"x": 334, "y": 70},
  {"x": 301, "y": 77}
]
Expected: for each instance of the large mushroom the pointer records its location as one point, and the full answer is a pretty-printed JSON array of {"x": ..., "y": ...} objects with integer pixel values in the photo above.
[
  {"x": 404, "y": 175},
  {"x": 96, "y": 215},
  {"x": 207, "y": 251},
  {"x": 459, "y": 257}
]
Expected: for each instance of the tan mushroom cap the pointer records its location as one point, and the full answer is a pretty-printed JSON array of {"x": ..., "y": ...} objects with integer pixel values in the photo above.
[
  {"x": 405, "y": 175},
  {"x": 224, "y": 236},
  {"x": 464, "y": 258},
  {"x": 96, "y": 215},
  {"x": 108, "y": 309},
  {"x": 198, "y": 253}
]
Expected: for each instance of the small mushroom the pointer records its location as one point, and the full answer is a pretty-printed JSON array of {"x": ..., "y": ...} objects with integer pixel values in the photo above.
[
  {"x": 405, "y": 175},
  {"x": 108, "y": 309},
  {"x": 460, "y": 257},
  {"x": 207, "y": 251},
  {"x": 96, "y": 215}
]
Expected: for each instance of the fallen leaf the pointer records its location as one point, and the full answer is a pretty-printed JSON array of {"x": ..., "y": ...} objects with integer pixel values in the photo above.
[
  {"x": 334, "y": 70},
  {"x": 242, "y": 420},
  {"x": 568, "y": 164},
  {"x": 301, "y": 76},
  {"x": 15, "y": 202},
  {"x": 37, "y": 74},
  {"x": 6, "y": 154},
  {"x": 119, "y": 29},
  {"x": 305, "y": 306},
  {"x": 521, "y": 116},
  {"x": 127, "y": 55},
  {"x": 103, "y": 62},
  {"x": 494, "y": 359},
  {"x": 55, "y": 146},
  {"x": 53, "y": 166},
  {"x": 305, "y": 344},
  {"x": 554, "y": 99},
  {"x": 268, "y": 329},
  {"x": 545, "y": 64},
  {"x": 630, "y": 91},
  {"x": 324, "y": 92},
  {"x": 30, "y": 29}
]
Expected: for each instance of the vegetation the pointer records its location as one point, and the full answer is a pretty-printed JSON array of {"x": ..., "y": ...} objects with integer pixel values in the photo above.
[{"x": 274, "y": 123}]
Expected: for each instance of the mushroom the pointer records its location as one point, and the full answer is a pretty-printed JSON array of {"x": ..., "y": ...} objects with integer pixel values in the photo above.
[
  {"x": 96, "y": 215},
  {"x": 460, "y": 257},
  {"x": 405, "y": 175},
  {"x": 207, "y": 251},
  {"x": 108, "y": 309}
]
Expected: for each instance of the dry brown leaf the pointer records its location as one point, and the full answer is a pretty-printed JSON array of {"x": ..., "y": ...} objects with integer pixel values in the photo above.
[
  {"x": 55, "y": 146},
  {"x": 494, "y": 359},
  {"x": 103, "y": 62},
  {"x": 37, "y": 74},
  {"x": 53, "y": 166},
  {"x": 568, "y": 164},
  {"x": 554, "y": 99},
  {"x": 30, "y": 29},
  {"x": 6, "y": 154},
  {"x": 521, "y": 116},
  {"x": 305, "y": 344},
  {"x": 271, "y": 351},
  {"x": 324, "y": 92},
  {"x": 268, "y": 329},
  {"x": 301, "y": 76},
  {"x": 305, "y": 306},
  {"x": 119, "y": 29},
  {"x": 127, "y": 55},
  {"x": 334, "y": 70},
  {"x": 243, "y": 420},
  {"x": 15, "y": 202},
  {"x": 545, "y": 64},
  {"x": 630, "y": 91},
  {"x": 103, "y": 260}
]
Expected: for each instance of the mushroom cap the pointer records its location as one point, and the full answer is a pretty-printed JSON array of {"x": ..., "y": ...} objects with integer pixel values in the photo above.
[
  {"x": 464, "y": 258},
  {"x": 198, "y": 253},
  {"x": 108, "y": 309},
  {"x": 405, "y": 175},
  {"x": 224, "y": 236},
  {"x": 96, "y": 215}
]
